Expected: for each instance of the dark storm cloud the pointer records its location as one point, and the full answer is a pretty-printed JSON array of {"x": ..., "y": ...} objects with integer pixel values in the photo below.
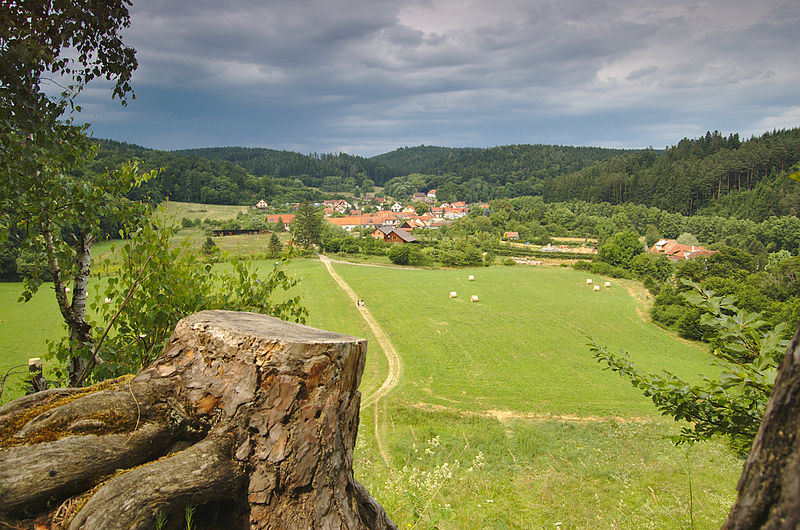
[{"x": 372, "y": 75}]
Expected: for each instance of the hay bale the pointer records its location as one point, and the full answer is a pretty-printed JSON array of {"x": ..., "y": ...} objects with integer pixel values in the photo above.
[
  {"x": 588, "y": 281},
  {"x": 473, "y": 298},
  {"x": 596, "y": 288},
  {"x": 471, "y": 278},
  {"x": 453, "y": 294},
  {"x": 608, "y": 284}
]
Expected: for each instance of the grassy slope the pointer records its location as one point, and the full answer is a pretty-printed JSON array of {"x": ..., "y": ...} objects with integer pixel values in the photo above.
[
  {"x": 523, "y": 346},
  {"x": 24, "y": 329},
  {"x": 520, "y": 349},
  {"x": 191, "y": 210}
]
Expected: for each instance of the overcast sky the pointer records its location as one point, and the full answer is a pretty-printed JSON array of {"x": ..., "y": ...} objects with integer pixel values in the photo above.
[{"x": 369, "y": 76}]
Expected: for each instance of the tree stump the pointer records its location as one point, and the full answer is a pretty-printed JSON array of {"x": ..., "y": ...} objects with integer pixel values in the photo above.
[{"x": 250, "y": 420}]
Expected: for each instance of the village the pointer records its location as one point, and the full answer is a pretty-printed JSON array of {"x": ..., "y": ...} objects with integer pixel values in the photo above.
[{"x": 393, "y": 222}]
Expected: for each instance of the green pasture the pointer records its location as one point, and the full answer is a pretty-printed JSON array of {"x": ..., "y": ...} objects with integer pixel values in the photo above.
[
  {"x": 454, "y": 472},
  {"x": 24, "y": 330},
  {"x": 603, "y": 460},
  {"x": 193, "y": 210},
  {"x": 522, "y": 347}
]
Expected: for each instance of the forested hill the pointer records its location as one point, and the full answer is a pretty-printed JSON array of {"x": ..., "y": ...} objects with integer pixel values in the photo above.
[
  {"x": 191, "y": 178},
  {"x": 502, "y": 164},
  {"x": 512, "y": 163},
  {"x": 711, "y": 174}
]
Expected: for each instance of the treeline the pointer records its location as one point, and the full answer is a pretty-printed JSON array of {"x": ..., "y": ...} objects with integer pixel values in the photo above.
[
  {"x": 537, "y": 221},
  {"x": 342, "y": 170},
  {"x": 712, "y": 174},
  {"x": 474, "y": 175},
  {"x": 516, "y": 169},
  {"x": 191, "y": 178}
]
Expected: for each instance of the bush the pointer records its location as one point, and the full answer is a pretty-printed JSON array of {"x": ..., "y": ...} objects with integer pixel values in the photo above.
[
  {"x": 599, "y": 267},
  {"x": 582, "y": 265},
  {"x": 689, "y": 325},
  {"x": 619, "y": 249},
  {"x": 406, "y": 254},
  {"x": 509, "y": 262},
  {"x": 399, "y": 254}
]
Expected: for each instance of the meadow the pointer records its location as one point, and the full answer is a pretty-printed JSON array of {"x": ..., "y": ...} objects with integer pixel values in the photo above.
[
  {"x": 501, "y": 418},
  {"x": 192, "y": 210}
]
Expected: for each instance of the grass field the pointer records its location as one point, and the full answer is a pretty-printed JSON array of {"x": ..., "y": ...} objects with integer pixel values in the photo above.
[
  {"x": 501, "y": 419},
  {"x": 192, "y": 210},
  {"x": 523, "y": 346},
  {"x": 25, "y": 329},
  {"x": 509, "y": 382}
]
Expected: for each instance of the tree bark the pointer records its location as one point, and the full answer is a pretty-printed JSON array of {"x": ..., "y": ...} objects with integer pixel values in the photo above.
[
  {"x": 248, "y": 419},
  {"x": 769, "y": 488}
]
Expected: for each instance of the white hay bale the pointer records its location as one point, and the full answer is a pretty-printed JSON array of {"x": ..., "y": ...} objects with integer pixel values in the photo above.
[
  {"x": 471, "y": 278},
  {"x": 588, "y": 281},
  {"x": 608, "y": 284},
  {"x": 473, "y": 298},
  {"x": 596, "y": 288},
  {"x": 453, "y": 294}
]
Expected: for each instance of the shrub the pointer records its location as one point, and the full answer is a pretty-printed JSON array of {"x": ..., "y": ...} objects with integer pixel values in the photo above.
[{"x": 399, "y": 254}]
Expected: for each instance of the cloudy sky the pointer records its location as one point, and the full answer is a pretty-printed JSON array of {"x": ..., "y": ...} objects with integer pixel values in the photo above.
[{"x": 369, "y": 76}]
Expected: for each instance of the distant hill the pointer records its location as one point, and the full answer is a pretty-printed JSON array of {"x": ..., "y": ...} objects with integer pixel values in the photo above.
[
  {"x": 501, "y": 164},
  {"x": 712, "y": 174},
  {"x": 184, "y": 176},
  {"x": 513, "y": 164}
]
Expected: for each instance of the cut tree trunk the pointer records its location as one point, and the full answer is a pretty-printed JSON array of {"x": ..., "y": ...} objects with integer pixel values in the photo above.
[
  {"x": 247, "y": 419},
  {"x": 769, "y": 488}
]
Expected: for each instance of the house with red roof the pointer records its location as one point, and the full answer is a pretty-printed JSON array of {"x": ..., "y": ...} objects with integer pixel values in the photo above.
[
  {"x": 677, "y": 251},
  {"x": 286, "y": 219}
]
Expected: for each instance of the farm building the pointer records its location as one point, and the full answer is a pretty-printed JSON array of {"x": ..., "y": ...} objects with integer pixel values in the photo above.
[
  {"x": 393, "y": 235},
  {"x": 511, "y": 235},
  {"x": 676, "y": 251},
  {"x": 262, "y": 204}
]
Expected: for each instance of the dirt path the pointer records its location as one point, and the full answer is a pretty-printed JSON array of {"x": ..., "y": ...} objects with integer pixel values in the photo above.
[
  {"x": 395, "y": 363},
  {"x": 644, "y": 300},
  {"x": 404, "y": 267},
  {"x": 504, "y": 416}
]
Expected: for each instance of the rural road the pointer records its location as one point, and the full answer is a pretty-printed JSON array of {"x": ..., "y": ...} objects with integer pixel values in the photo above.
[{"x": 394, "y": 361}]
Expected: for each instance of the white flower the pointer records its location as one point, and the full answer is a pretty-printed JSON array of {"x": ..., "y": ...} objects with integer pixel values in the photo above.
[{"x": 107, "y": 301}]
